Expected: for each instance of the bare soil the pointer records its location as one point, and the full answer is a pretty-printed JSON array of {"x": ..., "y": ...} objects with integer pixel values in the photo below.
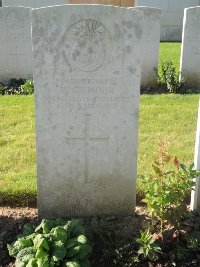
[{"x": 13, "y": 219}]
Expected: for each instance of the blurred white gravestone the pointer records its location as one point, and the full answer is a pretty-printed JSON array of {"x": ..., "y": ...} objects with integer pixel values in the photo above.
[
  {"x": 171, "y": 17},
  {"x": 15, "y": 43},
  {"x": 151, "y": 44},
  {"x": 33, "y": 3},
  {"x": 195, "y": 196},
  {"x": 87, "y": 70},
  {"x": 190, "y": 52}
]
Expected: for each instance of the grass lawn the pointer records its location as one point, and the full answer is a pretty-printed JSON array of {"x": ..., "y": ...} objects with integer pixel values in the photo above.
[
  {"x": 162, "y": 118},
  {"x": 170, "y": 118},
  {"x": 170, "y": 52}
]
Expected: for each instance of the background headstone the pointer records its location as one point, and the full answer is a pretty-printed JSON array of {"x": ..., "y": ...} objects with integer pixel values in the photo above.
[
  {"x": 151, "y": 44},
  {"x": 195, "y": 197},
  {"x": 33, "y": 3},
  {"x": 190, "y": 52},
  {"x": 15, "y": 43},
  {"x": 171, "y": 16},
  {"x": 87, "y": 70}
]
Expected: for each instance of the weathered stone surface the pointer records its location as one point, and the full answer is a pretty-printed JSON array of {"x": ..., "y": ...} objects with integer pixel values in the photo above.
[
  {"x": 87, "y": 70},
  {"x": 151, "y": 44},
  {"x": 15, "y": 43},
  {"x": 33, "y": 3},
  {"x": 195, "y": 196},
  {"x": 190, "y": 52}
]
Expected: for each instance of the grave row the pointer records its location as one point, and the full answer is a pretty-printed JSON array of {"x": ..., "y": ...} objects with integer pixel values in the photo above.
[
  {"x": 16, "y": 47},
  {"x": 86, "y": 62},
  {"x": 171, "y": 17}
]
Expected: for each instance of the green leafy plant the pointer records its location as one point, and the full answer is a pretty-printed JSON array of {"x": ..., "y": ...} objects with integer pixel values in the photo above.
[
  {"x": 170, "y": 78},
  {"x": 28, "y": 87},
  {"x": 147, "y": 246},
  {"x": 165, "y": 191},
  {"x": 52, "y": 243},
  {"x": 17, "y": 87}
]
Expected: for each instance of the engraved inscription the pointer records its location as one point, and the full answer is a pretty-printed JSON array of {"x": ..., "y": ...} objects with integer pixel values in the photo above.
[
  {"x": 86, "y": 43},
  {"x": 86, "y": 138},
  {"x": 88, "y": 96}
]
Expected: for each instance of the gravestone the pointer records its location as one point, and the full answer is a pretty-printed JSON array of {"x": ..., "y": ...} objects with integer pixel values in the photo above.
[
  {"x": 33, "y": 3},
  {"x": 150, "y": 45},
  {"x": 195, "y": 196},
  {"x": 190, "y": 52},
  {"x": 171, "y": 17},
  {"x": 15, "y": 43},
  {"x": 87, "y": 70}
]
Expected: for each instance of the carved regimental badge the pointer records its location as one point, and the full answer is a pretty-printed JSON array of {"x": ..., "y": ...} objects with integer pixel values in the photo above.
[{"x": 87, "y": 44}]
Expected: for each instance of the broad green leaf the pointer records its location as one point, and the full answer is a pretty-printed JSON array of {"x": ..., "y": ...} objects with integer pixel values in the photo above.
[
  {"x": 157, "y": 170},
  {"x": 73, "y": 251},
  {"x": 32, "y": 263},
  {"x": 25, "y": 242},
  {"x": 85, "y": 263},
  {"x": 82, "y": 239},
  {"x": 84, "y": 251},
  {"x": 41, "y": 253},
  {"x": 59, "y": 233},
  {"x": 71, "y": 243},
  {"x": 73, "y": 264},
  {"x": 42, "y": 244},
  {"x": 59, "y": 251},
  {"x": 43, "y": 263},
  {"x": 26, "y": 254},
  {"x": 74, "y": 228}
]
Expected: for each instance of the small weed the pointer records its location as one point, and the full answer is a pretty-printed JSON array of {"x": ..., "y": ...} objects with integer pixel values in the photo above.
[
  {"x": 169, "y": 78},
  {"x": 27, "y": 88},
  {"x": 147, "y": 246},
  {"x": 17, "y": 87},
  {"x": 166, "y": 190}
]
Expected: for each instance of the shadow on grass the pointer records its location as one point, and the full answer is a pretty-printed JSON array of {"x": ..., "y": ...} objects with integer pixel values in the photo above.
[{"x": 18, "y": 200}]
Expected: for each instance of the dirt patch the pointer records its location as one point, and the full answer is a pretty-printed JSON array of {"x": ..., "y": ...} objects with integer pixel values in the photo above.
[{"x": 12, "y": 221}]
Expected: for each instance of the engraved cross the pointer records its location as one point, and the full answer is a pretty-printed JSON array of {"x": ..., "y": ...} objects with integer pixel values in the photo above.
[{"x": 87, "y": 140}]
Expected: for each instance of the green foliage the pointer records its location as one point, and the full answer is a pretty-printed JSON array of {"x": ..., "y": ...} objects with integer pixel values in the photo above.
[
  {"x": 169, "y": 78},
  {"x": 194, "y": 219},
  {"x": 147, "y": 246},
  {"x": 165, "y": 191},
  {"x": 182, "y": 253},
  {"x": 52, "y": 243},
  {"x": 27, "y": 88},
  {"x": 17, "y": 87},
  {"x": 125, "y": 255}
]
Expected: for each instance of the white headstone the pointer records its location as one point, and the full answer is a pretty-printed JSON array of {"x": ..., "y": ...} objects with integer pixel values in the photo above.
[
  {"x": 87, "y": 70},
  {"x": 190, "y": 52},
  {"x": 15, "y": 43},
  {"x": 151, "y": 44},
  {"x": 195, "y": 197},
  {"x": 33, "y": 3},
  {"x": 171, "y": 17}
]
